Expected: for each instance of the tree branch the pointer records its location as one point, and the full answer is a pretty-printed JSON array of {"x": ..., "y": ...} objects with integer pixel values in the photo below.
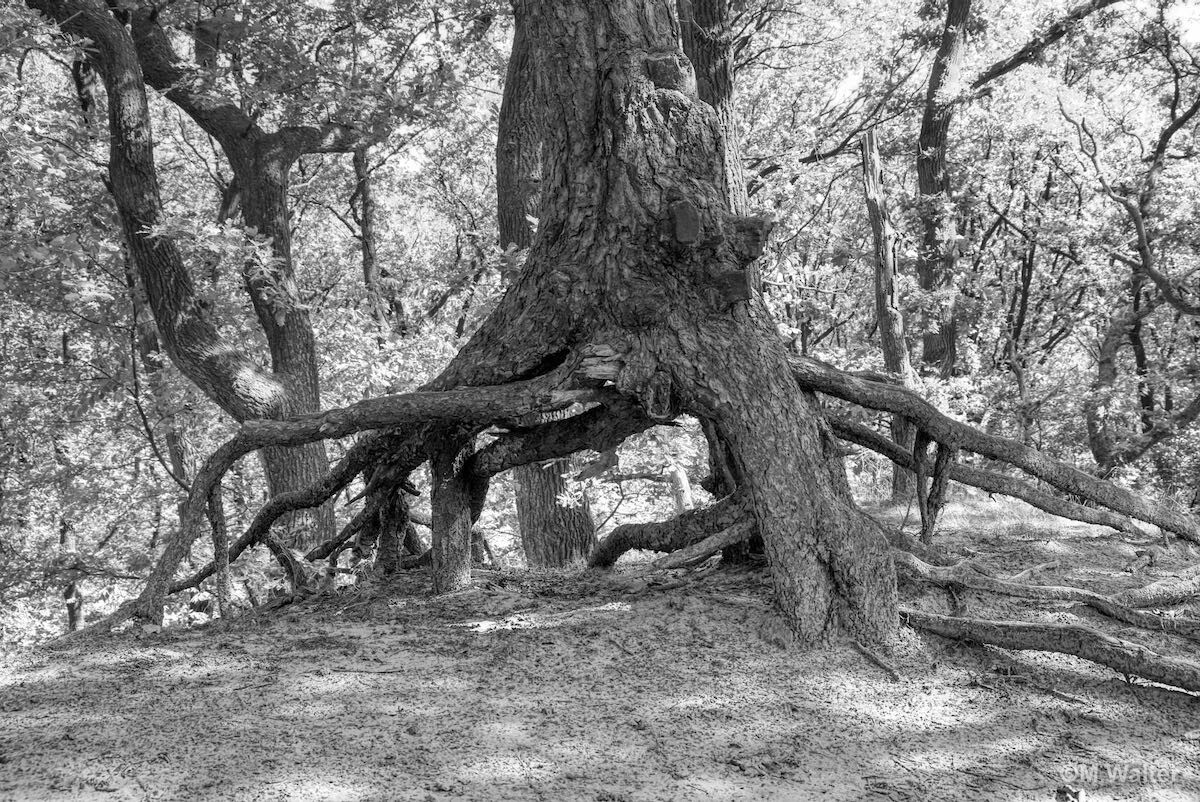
[
  {"x": 990, "y": 481},
  {"x": 1040, "y": 42},
  {"x": 679, "y": 532},
  {"x": 598, "y": 429},
  {"x": 814, "y": 375}
]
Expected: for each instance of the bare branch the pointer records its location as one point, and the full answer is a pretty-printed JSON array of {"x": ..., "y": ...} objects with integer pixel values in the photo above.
[
  {"x": 814, "y": 375},
  {"x": 990, "y": 481},
  {"x": 1040, "y": 41}
]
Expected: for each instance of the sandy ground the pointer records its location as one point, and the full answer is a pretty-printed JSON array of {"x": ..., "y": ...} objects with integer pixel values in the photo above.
[{"x": 562, "y": 687}]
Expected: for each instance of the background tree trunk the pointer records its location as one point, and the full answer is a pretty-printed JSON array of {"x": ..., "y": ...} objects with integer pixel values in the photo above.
[
  {"x": 888, "y": 316},
  {"x": 938, "y": 255},
  {"x": 221, "y": 369}
]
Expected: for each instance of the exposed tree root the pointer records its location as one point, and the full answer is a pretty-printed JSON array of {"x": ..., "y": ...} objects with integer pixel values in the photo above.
[
  {"x": 713, "y": 544},
  {"x": 902, "y": 541},
  {"x": 473, "y": 406},
  {"x": 990, "y": 481},
  {"x": 597, "y": 429},
  {"x": 1130, "y": 659},
  {"x": 698, "y": 533},
  {"x": 967, "y": 576},
  {"x": 1029, "y": 573},
  {"x": 887, "y": 667},
  {"x": 814, "y": 375},
  {"x": 1164, "y": 592},
  {"x": 601, "y": 427},
  {"x": 677, "y": 533}
]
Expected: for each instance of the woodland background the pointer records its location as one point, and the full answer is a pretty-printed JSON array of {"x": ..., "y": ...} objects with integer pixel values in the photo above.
[{"x": 1070, "y": 185}]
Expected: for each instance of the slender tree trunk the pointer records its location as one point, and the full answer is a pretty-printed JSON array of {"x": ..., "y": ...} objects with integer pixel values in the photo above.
[
  {"x": 938, "y": 255},
  {"x": 72, "y": 596},
  {"x": 552, "y": 535},
  {"x": 681, "y": 489},
  {"x": 68, "y": 544},
  {"x": 888, "y": 317},
  {"x": 275, "y": 297},
  {"x": 387, "y": 309}
]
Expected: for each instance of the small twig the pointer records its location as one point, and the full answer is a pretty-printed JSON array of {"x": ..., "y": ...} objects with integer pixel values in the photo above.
[
  {"x": 621, "y": 646},
  {"x": 1066, "y": 697},
  {"x": 877, "y": 660}
]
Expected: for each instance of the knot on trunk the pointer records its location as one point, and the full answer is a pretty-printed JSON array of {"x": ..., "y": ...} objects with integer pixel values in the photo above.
[
  {"x": 749, "y": 237},
  {"x": 670, "y": 71},
  {"x": 728, "y": 287},
  {"x": 657, "y": 398},
  {"x": 634, "y": 372},
  {"x": 685, "y": 222}
]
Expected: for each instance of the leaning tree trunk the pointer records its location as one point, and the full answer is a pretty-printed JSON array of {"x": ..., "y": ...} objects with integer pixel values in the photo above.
[
  {"x": 552, "y": 534},
  {"x": 641, "y": 266}
]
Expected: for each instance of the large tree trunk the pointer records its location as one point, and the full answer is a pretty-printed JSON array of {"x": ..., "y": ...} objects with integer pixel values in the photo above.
[
  {"x": 552, "y": 535},
  {"x": 640, "y": 262},
  {"x": 708, "y": 42},
  {"x": 938, "y": 254}
]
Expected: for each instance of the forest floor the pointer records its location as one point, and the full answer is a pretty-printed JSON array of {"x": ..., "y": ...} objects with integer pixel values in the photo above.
[{"x": 623, "y": 686}]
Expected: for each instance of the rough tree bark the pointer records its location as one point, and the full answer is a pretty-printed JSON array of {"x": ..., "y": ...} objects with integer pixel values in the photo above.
[
  {"x": 552, "y": 535},
  {"x": 640, "y": 270},
  {"x": 708, "y": 42}
]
